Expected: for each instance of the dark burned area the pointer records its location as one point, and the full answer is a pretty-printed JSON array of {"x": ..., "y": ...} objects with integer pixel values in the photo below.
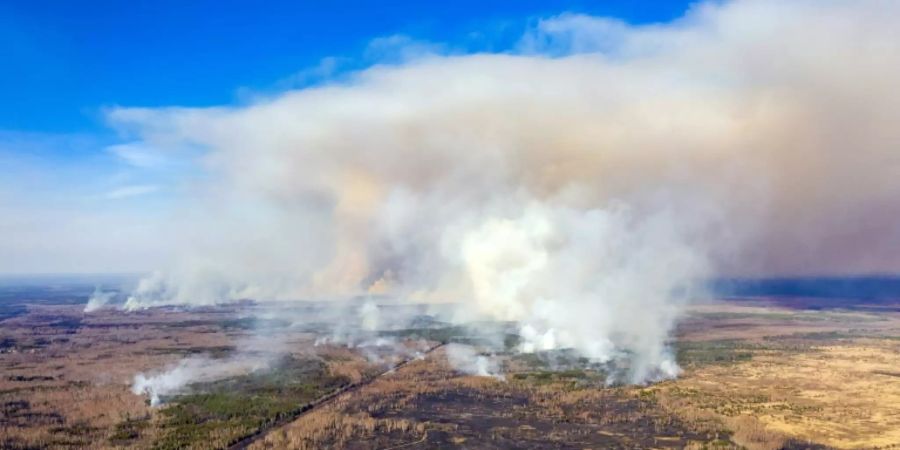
[{"x": 472, "y": 417}]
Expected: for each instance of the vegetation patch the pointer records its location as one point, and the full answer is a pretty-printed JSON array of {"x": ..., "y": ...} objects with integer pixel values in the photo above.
[
  {"x": 219, "y": 351},
  {"x": 129, "y": 430},
  {"x": 220, "y": 413},
  {"x": 815, "y": 336},
  {"x": 254, "y": 323},
  {"x": 443, "y": 334},
  {"x": 571, "y": 376},
  {"x": 712, "y": 352}
]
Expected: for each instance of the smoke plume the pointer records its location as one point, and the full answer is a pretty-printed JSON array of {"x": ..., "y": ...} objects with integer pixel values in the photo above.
[
  {"x": 579, "y": 185},
  {"x": 466, "y": 359},
  {"x": 176, "y": 379},
  {"x": 99, "y": 299}
]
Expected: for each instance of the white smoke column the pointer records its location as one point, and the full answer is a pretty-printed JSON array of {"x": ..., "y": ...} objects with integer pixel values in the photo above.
[
  {"x": 176, "y": 379},
  {"x": 596, "y": 281},
  {"x": 369, "y": 316},
  {"x": 580, "y": 185},
  {"x": 166, "y": 383},
  {"x": 99, "y": 299},
  {"x": 254, "y": 353},
  {"x": 465, "y": 359}
]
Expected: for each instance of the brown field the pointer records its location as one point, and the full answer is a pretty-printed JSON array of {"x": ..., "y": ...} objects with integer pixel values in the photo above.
[{"x": 755, "y": 376}]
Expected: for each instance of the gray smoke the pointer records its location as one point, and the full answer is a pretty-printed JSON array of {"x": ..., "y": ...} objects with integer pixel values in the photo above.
[{"x": 580, "y": 186}]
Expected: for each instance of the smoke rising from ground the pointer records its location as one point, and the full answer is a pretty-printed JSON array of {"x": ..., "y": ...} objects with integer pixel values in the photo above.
[
  {"x": 176, "y": 379},
  {"x": 99, "y": 299},
  {"x": 465, "y": 359},
  {"x": 579, "y": 186},
  {"x": 256, "y": 353}
]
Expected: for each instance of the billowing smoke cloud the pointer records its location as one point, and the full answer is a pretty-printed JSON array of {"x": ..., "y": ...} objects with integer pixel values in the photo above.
[{"x": 579, "y": 185}]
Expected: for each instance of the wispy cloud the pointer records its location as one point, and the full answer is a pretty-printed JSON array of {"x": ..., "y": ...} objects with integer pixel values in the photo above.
[
  {"x": 392, "y": 49},
  {"x": 131, "y": 191},
  {"x": 139, "y": 155},
  {"x": 400, "y": 48}
]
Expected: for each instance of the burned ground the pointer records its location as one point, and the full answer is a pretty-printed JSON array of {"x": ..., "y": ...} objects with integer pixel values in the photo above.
[
  {"x": 431, "y": 405},
  {"x": 756, "y": 376}
]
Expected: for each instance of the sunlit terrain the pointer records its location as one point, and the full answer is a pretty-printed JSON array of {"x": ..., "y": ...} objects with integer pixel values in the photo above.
[{"x": 756, "y": 374}]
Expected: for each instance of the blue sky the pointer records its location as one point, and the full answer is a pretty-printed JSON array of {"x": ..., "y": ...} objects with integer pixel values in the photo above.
[{"x": 64, "y": 61}]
